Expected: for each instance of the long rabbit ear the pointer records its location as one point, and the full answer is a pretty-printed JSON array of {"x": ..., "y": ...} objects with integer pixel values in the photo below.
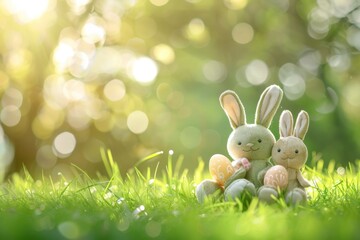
[
  {"x": 268, "y": 104},
  {"x": 286, "y": 124},
  {"x": 233, "y": 108},
  {"x": 302, "y": 125}
]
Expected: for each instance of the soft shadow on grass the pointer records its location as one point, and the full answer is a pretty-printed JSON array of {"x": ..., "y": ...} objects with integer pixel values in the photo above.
[{"x": 154, "y": 204}]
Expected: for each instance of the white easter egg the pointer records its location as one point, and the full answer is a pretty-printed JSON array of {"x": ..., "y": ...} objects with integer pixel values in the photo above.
[
  {"x": 220, "y": 168},
  {"x": 277, "y": 177}
]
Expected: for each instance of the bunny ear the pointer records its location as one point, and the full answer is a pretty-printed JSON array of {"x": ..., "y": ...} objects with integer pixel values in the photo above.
[
  {"x": 286, "y": 124},
  {"x": 268, "y": 104},
  {"x": 301, "y": 125},
  {"x": 233, "y": 108}
]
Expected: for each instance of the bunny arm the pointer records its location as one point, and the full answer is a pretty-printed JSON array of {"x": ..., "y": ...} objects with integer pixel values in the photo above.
[
  {"x": 237, "y": 175},
  {"x": 262, "y": 173},
  {"x": 303, "y": 182}
]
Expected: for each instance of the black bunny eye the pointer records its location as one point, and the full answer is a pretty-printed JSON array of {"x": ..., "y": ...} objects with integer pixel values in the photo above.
[
  {"x": 279, "y": 150},
  {"x": 239, "y": 143},
  {"x": 296, "y": 151},
  {"x": 259, "y": 140}
]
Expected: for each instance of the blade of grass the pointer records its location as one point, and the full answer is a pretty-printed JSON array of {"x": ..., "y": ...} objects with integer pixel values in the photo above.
[{"x": 147, "y": 158}]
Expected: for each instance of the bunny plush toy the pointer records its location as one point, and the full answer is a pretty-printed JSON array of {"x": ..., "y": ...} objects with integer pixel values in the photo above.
[
  {"x": 291, "y": 153},
  {"x": 249, "y": 145}
]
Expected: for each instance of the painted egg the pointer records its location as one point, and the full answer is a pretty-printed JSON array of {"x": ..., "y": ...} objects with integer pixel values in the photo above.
[
  {"x": 276, "y": 176},
  {"x": 220, "y": 168}
]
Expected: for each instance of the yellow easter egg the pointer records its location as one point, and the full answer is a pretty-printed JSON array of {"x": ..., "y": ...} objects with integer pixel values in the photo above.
[
  {"x": 277, "y": 177},
  {"x": 220, "y": 168}
]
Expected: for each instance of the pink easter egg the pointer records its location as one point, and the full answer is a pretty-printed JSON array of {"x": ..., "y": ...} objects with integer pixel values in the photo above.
[
  {"x": 277, "y": 177},
  {"x": 220, "y": 168}
]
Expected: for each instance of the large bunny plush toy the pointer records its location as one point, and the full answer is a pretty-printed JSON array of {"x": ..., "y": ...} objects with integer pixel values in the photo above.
[
  {"x": 291, "y": 153},
  {"x": 249, "y": 145}
]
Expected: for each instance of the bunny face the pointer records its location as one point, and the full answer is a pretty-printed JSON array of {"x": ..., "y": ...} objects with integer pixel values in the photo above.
[
  {"x": 251, "y": 141},
  {"x": 290, "y": 152}
]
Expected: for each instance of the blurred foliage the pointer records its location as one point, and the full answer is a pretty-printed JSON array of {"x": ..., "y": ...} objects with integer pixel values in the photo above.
[{"x": 142, "y": 76}]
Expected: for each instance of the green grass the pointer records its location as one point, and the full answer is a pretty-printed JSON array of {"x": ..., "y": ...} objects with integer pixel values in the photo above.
[{"x": 161, "y": 205}]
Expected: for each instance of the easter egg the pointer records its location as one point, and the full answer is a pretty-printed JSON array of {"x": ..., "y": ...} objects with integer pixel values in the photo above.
[
  {"x": 277, "y": 177},
  {"x": 220, "y": 168}
]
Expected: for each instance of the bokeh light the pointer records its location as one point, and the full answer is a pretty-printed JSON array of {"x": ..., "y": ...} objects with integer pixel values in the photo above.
[
  {"x": 144, "y": 70},
  {"x": 257, "y": 72},
  {"x": 115, "y": 90},
  {"x": 12, "y": 96},
  {"x": 26, "y": 10},
  {"x": 137, "y": 122},
  {"x": 64, "y": 144},
  {"x": 93, "y": 31},
  {"x": 69, "y": 229},
  {"x": 235, "y": 4},
  {"x": 63, "y": 53},
  {"x": 310, "y": 60},
  {"x": 74, "y": 90},
  {"x": 159, "y": 3},
  {"x": 77, "y": 117},
  {"x": 243, "y": 33},
  {"x": 7, "y": 153},
  {"x": 10, "y": 115},
  {"x": 163, "y": 53},
  {"x": 352, "y": 95},
  {"x": 197, "y": 32},
  {"x": 293, "y": 81},
  {"x": 214, "y": 71},
  {"x": 45, "y": 157},
  {"x": 80, "y": 75}
]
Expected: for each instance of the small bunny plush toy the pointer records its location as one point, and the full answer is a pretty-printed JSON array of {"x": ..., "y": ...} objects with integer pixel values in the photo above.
[
  {"x": 291, "y": 153},
  {"x": 249, "y": 145}
]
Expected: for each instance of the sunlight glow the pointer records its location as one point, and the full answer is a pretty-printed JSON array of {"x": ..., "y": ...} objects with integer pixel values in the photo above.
[
  {"x": 26, "y": 10},
  {"x": 144, "y": 70}
]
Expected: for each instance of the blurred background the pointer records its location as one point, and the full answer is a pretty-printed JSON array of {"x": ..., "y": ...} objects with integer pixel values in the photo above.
[{"x": 141, "y": 76}]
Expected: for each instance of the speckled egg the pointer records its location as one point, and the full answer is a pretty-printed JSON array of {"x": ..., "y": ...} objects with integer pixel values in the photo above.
[
  {"x": 276, "y": 176},
  {"x": 220, "y": 168}
]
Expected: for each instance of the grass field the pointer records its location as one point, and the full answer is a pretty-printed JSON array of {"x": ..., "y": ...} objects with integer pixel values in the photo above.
[{"x": 161, "y": 205}]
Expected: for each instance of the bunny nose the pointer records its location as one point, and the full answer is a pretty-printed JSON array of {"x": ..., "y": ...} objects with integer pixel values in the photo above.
[{"x": 249, "y": 144}]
